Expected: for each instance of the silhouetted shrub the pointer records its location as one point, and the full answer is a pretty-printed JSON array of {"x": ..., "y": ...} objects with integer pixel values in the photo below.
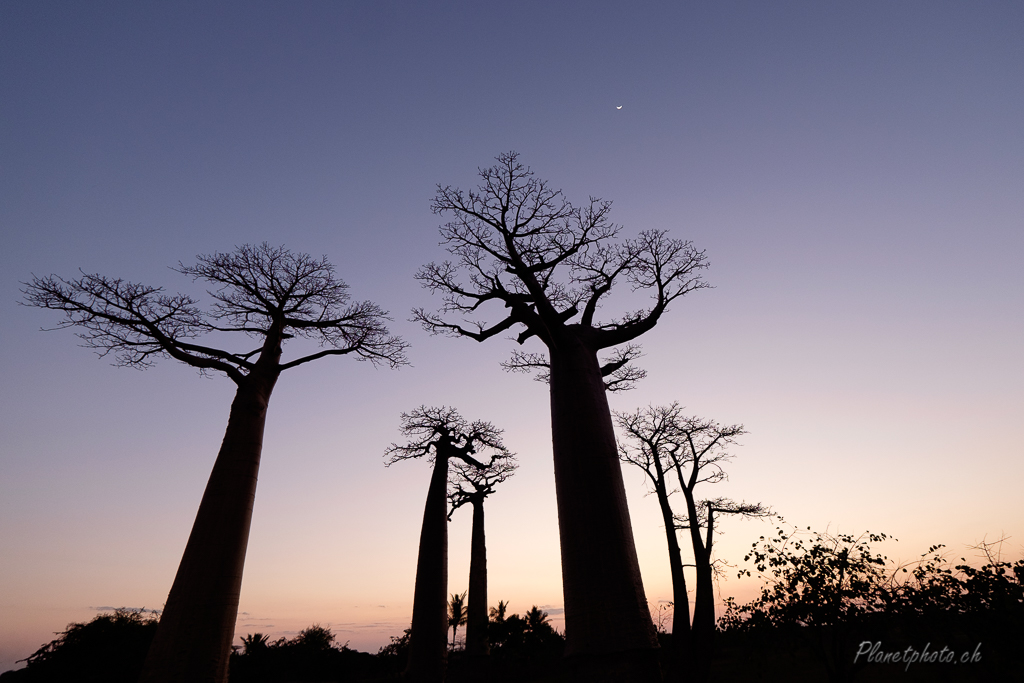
[
  {"x": 310, "y": 656},
  {"x": 108, "y": 649},
  {"x": 826, "y": 596}
]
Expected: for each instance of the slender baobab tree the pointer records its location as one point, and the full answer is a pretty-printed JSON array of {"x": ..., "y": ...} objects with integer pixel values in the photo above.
[
  {"x": 471, "y": 485},
  {"x": 661, "y": 440},
  {"x": 520, "y": 245},
  {"x": 650, "y": 434},
  {"x": 442, "y": 436},
  {"x": 261, "y": 292}
]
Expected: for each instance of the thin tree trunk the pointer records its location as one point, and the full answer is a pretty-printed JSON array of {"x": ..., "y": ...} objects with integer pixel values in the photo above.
[
  {"x": 607, "y": 620},
  {"x": 428, "y": 641},
  {"x": 193, "y": 640},
  {"x": 702, "y": 635},
  {"x": 680, "y": 599},
  {"x": 477, "y": 644}
]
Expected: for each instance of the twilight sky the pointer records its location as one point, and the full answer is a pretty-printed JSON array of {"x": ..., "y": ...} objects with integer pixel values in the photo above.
[{"x": 855, "y": 172}]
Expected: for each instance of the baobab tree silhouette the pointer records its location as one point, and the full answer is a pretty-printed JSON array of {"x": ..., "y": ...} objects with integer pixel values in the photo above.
[
  {"x": 660, "y": 440},
  {"x": 262, "y": 292},
  {"x": 518, "y": 243},
  {"x": 472, "y": 485},
  {"x": 441, "y": 435}
]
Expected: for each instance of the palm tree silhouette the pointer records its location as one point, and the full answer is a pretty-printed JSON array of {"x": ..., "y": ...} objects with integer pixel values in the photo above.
[{"x": 456, "y": 613}]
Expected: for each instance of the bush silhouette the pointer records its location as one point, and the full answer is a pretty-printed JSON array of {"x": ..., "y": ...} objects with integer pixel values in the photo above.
[{"x": 108, "y": 649}]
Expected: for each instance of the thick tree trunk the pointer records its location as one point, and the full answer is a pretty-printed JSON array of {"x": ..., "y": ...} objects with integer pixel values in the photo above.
[
  {"x": 477, "y": 644},
  {"x": 193, "y": 640},
  {"x": 680, "y": 599},
  {"x": 428, "y": 642},
  {"x": 607, "y": 620}
]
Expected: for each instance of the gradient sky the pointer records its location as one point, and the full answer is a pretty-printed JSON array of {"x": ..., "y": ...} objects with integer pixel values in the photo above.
[{"x": 855, "y": 172}]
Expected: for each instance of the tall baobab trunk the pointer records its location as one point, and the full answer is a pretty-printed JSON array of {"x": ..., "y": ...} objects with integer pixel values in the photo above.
[
  {"x": 477, "y": 644},
  {"x": 428, "y": 642},
  {"x": 607, "y": 621},
  {"x": 680, "y": 599},
  {"x": 193, "y": 640},
  {"x": 703, "y": 633}
]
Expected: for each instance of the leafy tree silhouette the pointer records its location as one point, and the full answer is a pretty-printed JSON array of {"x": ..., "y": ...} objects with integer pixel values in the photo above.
[
  {"x": 312, "y": 655},
  {"x": 660, "y": 440},
  {"x": 259, "y": 291},
  {"x": 498, "y": 613},
  {"x": 831, "y": 593},
  {"x": 518, "y": 243},
  {"x": 254, "y": 643},
  {"x": 456, "y": 613},
  {"x": 537, "y": 621},
  {"x": 441, "y": 435},
  {"x": 110, "y": 648},
  {"x": 820, "y": 587},
  {"x": 471, "y": 485}
]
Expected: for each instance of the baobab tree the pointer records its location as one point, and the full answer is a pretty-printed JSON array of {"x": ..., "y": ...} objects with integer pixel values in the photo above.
[
  {"x": 518, "y": 244},
  {"x": 261, "y": 292},
  {"x": 662, "y": 440},
  {"x": 441, "y": 435},
  {"x": 650, "y": 434},
  {"x": 472, "y": 485}
]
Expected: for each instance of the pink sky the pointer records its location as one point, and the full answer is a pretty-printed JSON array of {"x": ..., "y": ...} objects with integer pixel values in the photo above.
[{"x": 854, "y": 173}]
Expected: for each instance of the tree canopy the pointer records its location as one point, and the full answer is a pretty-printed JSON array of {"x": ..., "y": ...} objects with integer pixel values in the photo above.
[
  {"x": 258, "y": 291},
  {"x": 521, "y": 244}
]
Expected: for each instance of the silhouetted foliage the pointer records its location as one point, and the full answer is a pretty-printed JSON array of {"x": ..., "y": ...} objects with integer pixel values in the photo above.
[
  {"x": 108, "y": 649},
  {"x": 254, "y": 643},
  {"x": 830, "y": 594},
  {"x": 312, "y": 655},
  {"x": 396, "y": 653},
  {"x": 456, "y": 613},
  {"x": 522, "y": 647}
]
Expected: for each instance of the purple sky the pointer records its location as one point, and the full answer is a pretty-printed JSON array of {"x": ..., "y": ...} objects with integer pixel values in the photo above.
[{"x": 855, "y": 172}]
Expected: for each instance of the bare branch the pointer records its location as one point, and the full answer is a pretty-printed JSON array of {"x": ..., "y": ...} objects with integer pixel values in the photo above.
[
  {"x": 619, "y": 370},
  {"x": 135, "y": 322},
  {"x": 468, "y": 483},
  {"x": 670, "y": 268},
  {"x": 434, "y": 324},
  {"x": 621, "y": 375},
  {"x": 261, "y": 291},
  {"x": 432, "y": 431},
  {"x": 516, "y": 241}
]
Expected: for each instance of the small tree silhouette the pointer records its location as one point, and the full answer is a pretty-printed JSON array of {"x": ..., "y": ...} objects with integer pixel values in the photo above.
[
  {"x": 253, "y": 643},
  {"x": 262, "y": 292},
  {"x": 442, "y": 436},
  {"x": 456, "y": 613},
  {"x": 110, "y": 648},
  {"x": 498, "y": 613},
  {"x": 472, "y": 485}
]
